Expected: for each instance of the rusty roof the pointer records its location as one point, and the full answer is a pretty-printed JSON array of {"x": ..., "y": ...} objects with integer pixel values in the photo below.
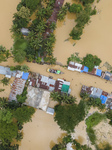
[{"x": 17, "y": 88}]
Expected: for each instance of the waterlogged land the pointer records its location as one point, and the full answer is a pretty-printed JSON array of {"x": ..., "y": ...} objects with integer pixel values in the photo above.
[{"x": 43, "y": 132}]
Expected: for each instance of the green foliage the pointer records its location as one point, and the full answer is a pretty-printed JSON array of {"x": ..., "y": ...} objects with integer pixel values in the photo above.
[
  {"x": 76, "y": 33},
  {"x": 19, "y": 50},
  {"x": 62, "y": 12},
  {"x": 78, "y": 146},
  {"x": 109, "y": 116},
  {"x": 68, "y": 139},
  {"x": 92, "y": 121},
  {"x": 3, "y": 102},
  {"x": 7, "y": 131},
  {"x": 93, "y": 12},
  {"x": 4, "y": 54},
  {"x": 24, "y": 12},
  {"x": 90, "y": 61},
  {"x": 66, "y": 116},
  {"x": 19, "y": 22},
  {"x": 62, "y": 98},
  {"x": 105, "y": 147},
  {"x": 75, "y": 8},
  {"x": 74, "y": 58},
  {"x": 86, "y": 1},
  {"x": 9, "y": 147},
  {"x": 95, "y": 102},
  {"x": 1, "y": 90},
  {"x": 84, "y": 95},
  {"x": 24, "y": 68},
  {"x": 5, "y": 115},
  {"x": 5, "y": 81},
  {"x": 21, "y": 98},
  {"x": 23, "y": 114},
  {"x": 53, "y": 26},
  {"x": 32, "y": 4},
  {"x": 19, "y": 136},
  {"x": 83, "y": 18}
]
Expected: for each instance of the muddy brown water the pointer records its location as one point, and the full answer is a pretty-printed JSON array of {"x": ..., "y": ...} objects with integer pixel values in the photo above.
[{"x": 42, "y": 133}]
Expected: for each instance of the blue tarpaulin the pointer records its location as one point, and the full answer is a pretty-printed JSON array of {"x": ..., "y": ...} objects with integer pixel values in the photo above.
[
  {"x": 107, "y": 77},
  {"x": 103, "y": 99},
  {"x": 98, "y": 72},
  {"x": 25, "y": 75},
  {"x": 85, "y": 69}
]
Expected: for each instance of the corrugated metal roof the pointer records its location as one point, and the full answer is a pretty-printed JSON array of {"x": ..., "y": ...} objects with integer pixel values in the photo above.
[
  {"x": 96, "y": 92},
  {"x": 50, "y": 111}
]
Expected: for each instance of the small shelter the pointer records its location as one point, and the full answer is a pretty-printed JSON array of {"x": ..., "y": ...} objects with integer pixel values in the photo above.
[
  {"x": 50, "y": 111},
  {"x": 25, "y": 75},
  {"x": 98, "y": 72},
  {"x": 103, "y": 99},
  {"x": 25, "y": 31}
]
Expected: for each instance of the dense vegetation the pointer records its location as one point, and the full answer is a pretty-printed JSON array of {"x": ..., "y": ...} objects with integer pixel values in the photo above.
[
  {"x": 109, "y": 116},
  {"x": 62, "y": 98},
  {"x": 66, "y": 116},
  {"x": 92, "y": 121},
  {"x": 12, "y": 117},
  {"x": 90, "y": 61},
  {"x": 68, "y": 139},
  {"x": 90, "y": 101},
  {"x": 4, "y": 54},
  {"x": 38, "y": 43}
]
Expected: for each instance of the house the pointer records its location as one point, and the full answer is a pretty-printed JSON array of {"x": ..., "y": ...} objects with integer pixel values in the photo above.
[
  {"x": 69, "y": 146},
  {"x": 106, "y": 75},
  {"x": 37, "y": 98},
  {"x": 96, "y": 92},
  {"x": 17, "y": 88},
  {"x": 25, "y": 31},
  {"x": 45, "y": 83},
  {"x": 109, "y": 101},
  {"x": 75, "y": 66},
  {"x": 50, "y": 111},
  {"x": 7, "y": 72}
]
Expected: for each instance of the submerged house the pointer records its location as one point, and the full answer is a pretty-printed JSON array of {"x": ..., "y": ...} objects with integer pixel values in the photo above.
[
  {"x": 18, "y": 85},
  {"x": 7, "y": 72},
  {"x": 95, "y": 93},
  {"x": 25, "y": 31}
]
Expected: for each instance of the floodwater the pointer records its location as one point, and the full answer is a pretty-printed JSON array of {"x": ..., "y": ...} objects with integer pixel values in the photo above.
[{"x": 43, "y": 132}]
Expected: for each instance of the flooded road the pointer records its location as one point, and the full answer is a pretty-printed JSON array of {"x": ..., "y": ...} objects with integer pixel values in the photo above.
[{"x": 43, "y": 132}]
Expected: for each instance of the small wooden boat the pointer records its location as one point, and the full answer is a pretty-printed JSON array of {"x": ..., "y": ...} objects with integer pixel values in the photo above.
[{"x": 54, "y": 71}]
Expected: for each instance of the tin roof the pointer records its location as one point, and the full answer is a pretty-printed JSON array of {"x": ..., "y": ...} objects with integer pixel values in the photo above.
[
  {"x": 50, "y": 111},
  {"x": 17, "y": 88}
]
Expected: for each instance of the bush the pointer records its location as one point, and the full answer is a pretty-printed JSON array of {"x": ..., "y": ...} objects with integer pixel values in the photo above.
[
  {"x": 87, "y": 1},
  {"x": 74, "y": 58},
  {"x": 75, "y": 8},
  {"x": 76, "y": 33},
  {"x": 90, "y": 61}
]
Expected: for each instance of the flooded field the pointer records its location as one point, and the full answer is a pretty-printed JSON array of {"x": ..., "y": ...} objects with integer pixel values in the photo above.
[{"x": 43, "y": 132}]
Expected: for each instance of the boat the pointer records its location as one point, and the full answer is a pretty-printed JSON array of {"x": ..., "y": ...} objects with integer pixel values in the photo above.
[{"x": 54, "y": 71}]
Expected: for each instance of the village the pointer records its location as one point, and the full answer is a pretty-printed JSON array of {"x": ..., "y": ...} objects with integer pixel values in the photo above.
[{"x": 43, "y": 131}]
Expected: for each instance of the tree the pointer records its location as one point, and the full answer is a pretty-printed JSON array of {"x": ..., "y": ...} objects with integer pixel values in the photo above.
[
  {"x": 86, "y": 1},
  {"x": 109, "y": 116},
  {"x": 25, "y": 68},
  {"x": 32, "y": 4},
  {"x": 22, "y": 98},
  {"x": 5, "y": 115},
  {"x": 90, "y": 61},
  {"x": 75, "y": 8},
  {"x": 19, "y": 50},
  {"x": 66, "y": 116},
  {"x": 9, "y": 147},
  {"x": 83, "y": 17},
  {"x": 24, "y": 12},
  {"x": 76, "y": 33},
  {"x": 8, "y": 132},
  {"x": 62, "y": 98},
  {"x": 23, "y": 114},
  {"x": 52, "y": 26},
  {"x": 5, "y": 81},
  {"x": 2, "y": 53}
]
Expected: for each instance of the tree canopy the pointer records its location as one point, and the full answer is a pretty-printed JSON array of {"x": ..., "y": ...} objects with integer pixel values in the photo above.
[
  {"x": 7, "y": 131},
  {"x": 90, "y": 61},
  {"x": 66, "y": 116},
  {"x": 23, "y": 114}
]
